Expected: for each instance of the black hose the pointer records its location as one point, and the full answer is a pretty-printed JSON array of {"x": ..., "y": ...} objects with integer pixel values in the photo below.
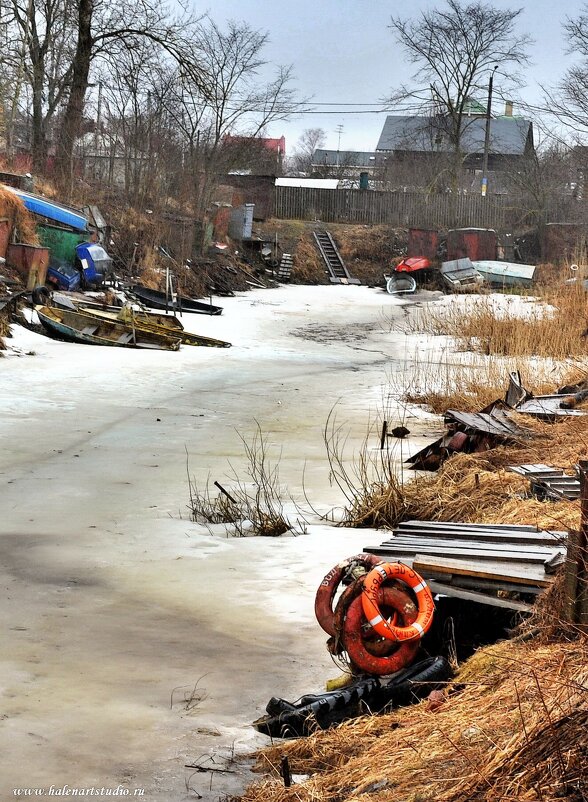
[{"x": 320, "y": 711}]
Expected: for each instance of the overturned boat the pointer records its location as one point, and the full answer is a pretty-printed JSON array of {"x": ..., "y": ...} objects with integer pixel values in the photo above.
[
  {"x": 176, "y": 303},
  {"x": 80, "y": 327},
  {"x": 400, "y": 284},
  {"x": 461, "y": 275},
  {"x": 505, "y": 274}
]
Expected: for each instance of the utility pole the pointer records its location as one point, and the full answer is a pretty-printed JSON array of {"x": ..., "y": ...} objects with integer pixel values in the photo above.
[
  {"x": 487, "y": 133},
  {"x": 339, "y": 130}
]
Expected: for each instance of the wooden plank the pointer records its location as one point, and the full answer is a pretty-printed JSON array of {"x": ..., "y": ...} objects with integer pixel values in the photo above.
[
  {"x": 476, "y": 596},
  {"x": 524, "y": 575},
  {"x": 430, "y": 542},
  {"x": 465, "y": 553},
  {"x": 459, "y": 524},
  {"x": 490, "y": 585},
  {"x": 516, "y": 538}
]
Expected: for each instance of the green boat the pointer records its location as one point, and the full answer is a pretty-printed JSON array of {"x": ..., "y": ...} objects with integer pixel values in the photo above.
[
  {"x": 158, "y": 324},
  {"x": 79, "y": 327}
]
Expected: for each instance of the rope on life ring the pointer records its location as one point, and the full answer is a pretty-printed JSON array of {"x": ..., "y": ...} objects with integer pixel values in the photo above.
[
  {"x": 323, "y": 603},
  {"x": 374, "y": 644},
  {"x": 357, "y": 648},
  {"x": 370, "y": 602}
]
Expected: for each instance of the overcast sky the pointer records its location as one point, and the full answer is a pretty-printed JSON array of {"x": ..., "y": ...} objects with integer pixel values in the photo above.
[{"x": 343, "y": 51}]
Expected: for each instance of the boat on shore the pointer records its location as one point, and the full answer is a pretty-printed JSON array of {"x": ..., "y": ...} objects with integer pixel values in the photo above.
[
  {"x": 505, "y": 274},
  {"x": 460, "y": 275},
  {"x": 400, "y": 284},
  {"x": 80, "y": 327},
  {"x": 160, "y": 324},
  {"x": 179, "y": 303}
]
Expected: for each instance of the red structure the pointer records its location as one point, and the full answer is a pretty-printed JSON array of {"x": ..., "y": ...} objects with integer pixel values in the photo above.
[
  {"x": 477, "y": 243},
  {"x": 423, "y": 242}
]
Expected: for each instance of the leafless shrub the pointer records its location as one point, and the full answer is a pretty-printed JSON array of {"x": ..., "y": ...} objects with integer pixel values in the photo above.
[
  {"x": 252, "y": 507},
  {"x": 368, "y": 480}
]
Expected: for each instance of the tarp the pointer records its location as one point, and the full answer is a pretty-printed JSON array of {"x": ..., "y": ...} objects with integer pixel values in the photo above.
[{"x": 51, "y": 210}]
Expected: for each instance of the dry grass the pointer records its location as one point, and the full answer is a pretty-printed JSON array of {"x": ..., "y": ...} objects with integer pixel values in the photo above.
[
  {"x": 369, "y": 251},
  {"x": 553, "y": 328},
  {"x": 469, "y": 383},
  {"x": 473, "y": 488},
  {"x": 20, "y": 219},
  {"x": 467, "y": 488},
  {"x": 309, "y": 267},
  {"x": 513, "y": 727}
]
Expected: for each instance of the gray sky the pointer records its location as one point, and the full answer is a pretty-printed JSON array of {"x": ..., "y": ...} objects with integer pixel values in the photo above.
[{"x": 343, "y": 51}]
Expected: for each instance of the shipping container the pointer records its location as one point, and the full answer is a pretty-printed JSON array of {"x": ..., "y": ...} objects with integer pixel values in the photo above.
[
  {"x": 473, "y": 243},
  {"x": 423, "y": 242}
]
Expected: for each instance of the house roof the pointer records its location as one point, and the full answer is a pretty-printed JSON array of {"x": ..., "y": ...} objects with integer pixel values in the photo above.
[
  {"x": 347, "y": 158},
  {"x": 276, "y": 145},
  {"x": 508, "y": 135}
]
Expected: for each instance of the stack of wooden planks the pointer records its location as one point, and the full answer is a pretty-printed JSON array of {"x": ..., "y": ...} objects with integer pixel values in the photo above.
[
  {"x": 549, "y": 482},
  {"x": 478, "y": 562}
]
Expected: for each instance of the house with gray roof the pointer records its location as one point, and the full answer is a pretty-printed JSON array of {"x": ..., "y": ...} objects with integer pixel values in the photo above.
[{"x": 511, "y": 139}]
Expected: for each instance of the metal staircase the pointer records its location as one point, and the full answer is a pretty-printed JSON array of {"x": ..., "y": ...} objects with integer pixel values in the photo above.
[{"x": 338, "y": 273}]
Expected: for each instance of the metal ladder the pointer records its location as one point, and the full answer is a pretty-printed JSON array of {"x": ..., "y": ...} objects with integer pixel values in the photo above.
[{"x": 338, "y": 273}]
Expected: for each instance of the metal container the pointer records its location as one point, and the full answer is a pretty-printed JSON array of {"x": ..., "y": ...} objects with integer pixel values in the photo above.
[
  {"x": 4, "y": 235},
  {"x": 423, "y": 242},
  {"x": 62, "y": 242},
  {"x": 30, "y": 261},
  {"x": 474, "y": 243}
]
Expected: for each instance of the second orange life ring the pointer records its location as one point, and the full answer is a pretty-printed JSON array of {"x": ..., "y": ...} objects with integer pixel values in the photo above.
[{"x": 370, "y": 601}]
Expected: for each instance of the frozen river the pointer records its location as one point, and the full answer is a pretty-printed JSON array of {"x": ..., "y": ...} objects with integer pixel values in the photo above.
[{"x": 112, "y": 598}]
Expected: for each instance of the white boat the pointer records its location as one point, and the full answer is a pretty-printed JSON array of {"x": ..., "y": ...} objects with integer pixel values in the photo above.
[
  {"x": 505, "y": 274},
  {"x": 400, "y": 284}
]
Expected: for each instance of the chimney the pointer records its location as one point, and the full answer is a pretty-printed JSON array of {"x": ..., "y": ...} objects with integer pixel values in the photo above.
[{"x": 508, "y": 108}]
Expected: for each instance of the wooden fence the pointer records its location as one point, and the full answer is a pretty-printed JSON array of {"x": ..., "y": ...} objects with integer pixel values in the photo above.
[{"x": 403, "y": 209}]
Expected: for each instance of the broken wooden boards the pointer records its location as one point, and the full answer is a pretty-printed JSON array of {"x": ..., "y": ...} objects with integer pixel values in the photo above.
[
  {"x": 478, "y": 559},
  {"x": 468, "y": 432}
]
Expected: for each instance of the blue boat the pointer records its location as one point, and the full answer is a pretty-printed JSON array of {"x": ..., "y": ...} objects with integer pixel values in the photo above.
[{"x": 51, "y": 210}]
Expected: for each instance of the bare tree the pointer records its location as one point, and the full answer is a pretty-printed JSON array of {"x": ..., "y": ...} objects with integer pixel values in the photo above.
[
  {"x": 455, "y": 50},
  {"x": 568, "y": 101},
  {"x": 310, "y": 139},
  {"x": 226, "y": 114},
  {"x": 39, "y": 54},
  {"x": 104, "y": 31}
]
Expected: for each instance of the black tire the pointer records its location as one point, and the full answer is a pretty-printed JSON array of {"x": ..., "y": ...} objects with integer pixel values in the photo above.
[
  {"x": 413, "y": 683},
  {"x": 41, "y": 295}
]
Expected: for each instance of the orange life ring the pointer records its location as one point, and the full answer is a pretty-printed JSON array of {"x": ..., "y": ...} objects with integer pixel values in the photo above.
[
  {"x": 370, "y": 601},
  {"x": 374, "y": 644},
  {"x": 323, "y": 603},
  {"x": 357, "y": 649}
]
